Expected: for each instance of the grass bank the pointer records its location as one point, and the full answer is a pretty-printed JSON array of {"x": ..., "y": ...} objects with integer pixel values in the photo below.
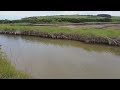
[
  {"x": 7, "y": 71},
  {"x": 87, "y": 35}
]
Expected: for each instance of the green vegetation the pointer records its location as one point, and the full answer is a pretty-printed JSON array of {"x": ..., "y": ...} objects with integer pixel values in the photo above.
[
  {"x": 7, "y": 71},
  {"x": 63, "y": 19},
  {"x": 52, "y": 28},
  {"x": 58, "y": 29},
  {"x": 115, "y": 19}
]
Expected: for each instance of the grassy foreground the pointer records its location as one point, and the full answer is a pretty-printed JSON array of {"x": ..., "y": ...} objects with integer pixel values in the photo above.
[
  {"x": 7, "y": 71},
  {"x": 92, "y": 35}
]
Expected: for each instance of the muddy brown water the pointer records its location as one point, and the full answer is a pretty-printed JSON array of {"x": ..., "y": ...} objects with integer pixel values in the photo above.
[{"x": 61, "y": 59}]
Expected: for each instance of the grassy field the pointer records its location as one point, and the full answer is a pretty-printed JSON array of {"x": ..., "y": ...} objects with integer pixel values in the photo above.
[
  {"x": 7, "y": 71},
  {"x": 115, "y": 19},
  {"x": 58, "y": 29}
]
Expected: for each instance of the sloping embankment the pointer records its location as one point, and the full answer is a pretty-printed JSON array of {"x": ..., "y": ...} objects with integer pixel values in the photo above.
[{"x": 82, "y": 38}]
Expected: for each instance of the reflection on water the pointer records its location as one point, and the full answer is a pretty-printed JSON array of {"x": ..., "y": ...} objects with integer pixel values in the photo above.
[{"x": 48, "y": 58}]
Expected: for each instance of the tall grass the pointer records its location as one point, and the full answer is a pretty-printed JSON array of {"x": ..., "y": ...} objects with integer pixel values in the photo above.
[
  {"x": 7, "y": 71},
  {"x": 65, "y": 30}
]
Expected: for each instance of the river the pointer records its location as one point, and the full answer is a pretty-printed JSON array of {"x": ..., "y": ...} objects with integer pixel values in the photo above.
[{"x": 61, "y": 59}]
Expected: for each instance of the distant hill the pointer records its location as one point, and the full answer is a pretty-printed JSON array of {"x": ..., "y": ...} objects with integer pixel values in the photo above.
[{"x": 65, "y": 19}]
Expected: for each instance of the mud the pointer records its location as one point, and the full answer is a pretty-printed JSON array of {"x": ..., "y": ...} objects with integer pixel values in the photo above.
[{"x": 86, "y": 39}]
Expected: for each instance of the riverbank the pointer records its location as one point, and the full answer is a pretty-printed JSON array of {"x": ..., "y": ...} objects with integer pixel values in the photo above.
[
  {"x": 52, "y": 58},
  {"x": 108, "y": 36},
  {"x": 7, "y": 71}
]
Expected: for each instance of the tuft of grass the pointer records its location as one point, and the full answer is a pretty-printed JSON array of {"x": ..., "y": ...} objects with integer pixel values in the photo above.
[{"x": 7, "y": 71}]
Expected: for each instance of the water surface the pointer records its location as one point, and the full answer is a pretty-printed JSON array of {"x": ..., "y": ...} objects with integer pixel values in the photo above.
[{"x": 48, "y": 58}]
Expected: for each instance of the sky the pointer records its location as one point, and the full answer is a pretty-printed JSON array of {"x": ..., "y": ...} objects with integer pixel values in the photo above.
[{"x": 11, "y": 15}]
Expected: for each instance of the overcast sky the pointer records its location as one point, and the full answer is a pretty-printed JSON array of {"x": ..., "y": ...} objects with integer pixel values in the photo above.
[{"x": 21, "y": 14}]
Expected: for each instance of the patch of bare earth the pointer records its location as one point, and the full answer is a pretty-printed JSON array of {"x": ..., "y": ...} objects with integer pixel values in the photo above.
[{"x": 101, "y": 26}]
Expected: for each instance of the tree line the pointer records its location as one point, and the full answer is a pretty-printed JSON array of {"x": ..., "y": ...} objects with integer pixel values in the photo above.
[{"x": 34, "y": 20}]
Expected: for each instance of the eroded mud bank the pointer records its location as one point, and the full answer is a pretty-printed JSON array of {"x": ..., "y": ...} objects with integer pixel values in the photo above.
[{"x": 87, "y": 39}]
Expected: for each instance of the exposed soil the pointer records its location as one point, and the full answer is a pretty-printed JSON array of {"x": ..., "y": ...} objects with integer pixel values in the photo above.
[
  {"x": 86, "y": 39},
  {"x": 103, "y": 26},
  {"x": 115, "y": 26}
]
